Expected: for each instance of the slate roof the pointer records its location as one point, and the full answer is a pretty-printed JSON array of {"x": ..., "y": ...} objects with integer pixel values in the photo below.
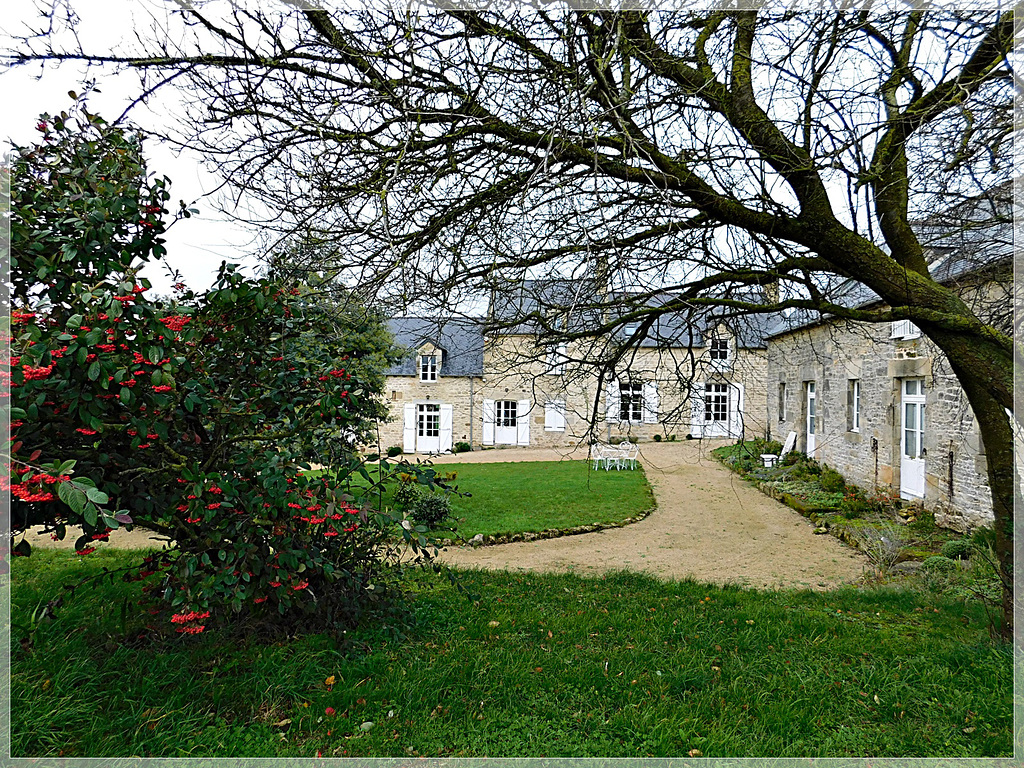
[
  {"x": 462, "y": 341},
  {"x": 554, "y": 296}
]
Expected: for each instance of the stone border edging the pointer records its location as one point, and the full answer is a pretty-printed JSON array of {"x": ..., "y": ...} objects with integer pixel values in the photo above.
[{"x": 492, "y": 539}]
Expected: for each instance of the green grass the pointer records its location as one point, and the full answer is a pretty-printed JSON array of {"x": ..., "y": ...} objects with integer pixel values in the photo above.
[
  {"x": 534, "y": 496},
  {"x": 618, "y": 666},
  {"x": 518, "y": 497}
]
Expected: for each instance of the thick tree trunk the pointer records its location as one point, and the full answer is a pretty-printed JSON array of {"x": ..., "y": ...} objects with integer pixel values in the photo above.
[{"x": 997, "y": 436}]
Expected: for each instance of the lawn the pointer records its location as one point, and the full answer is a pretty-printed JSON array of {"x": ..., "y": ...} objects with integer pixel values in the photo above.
[
  {"x": 516, "y": 497},
  {"x": 534, "y": 496},
  {"x": 549, "y": 665}
]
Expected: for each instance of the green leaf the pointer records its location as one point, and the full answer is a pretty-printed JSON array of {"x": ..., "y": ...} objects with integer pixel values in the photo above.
[
  {"x": 94, "y": 370},
  {"x": 97, "y": 496},
  {"x": 75, "y": 321},
  {"x": 91, "y": 514}
]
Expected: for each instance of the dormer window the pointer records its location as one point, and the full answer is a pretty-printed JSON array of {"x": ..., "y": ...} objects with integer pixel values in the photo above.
[
  {"x": 904, "y": 329},
  {"x": 428, "y": 367},
  {"x": 720, "y": 350},
  {"x": 556, "y": 360}
]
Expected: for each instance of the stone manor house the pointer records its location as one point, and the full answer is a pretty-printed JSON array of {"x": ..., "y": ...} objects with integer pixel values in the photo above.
[{"x": 877, "y": 402}]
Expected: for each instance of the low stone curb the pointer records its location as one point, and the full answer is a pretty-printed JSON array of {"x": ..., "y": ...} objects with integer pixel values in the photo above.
[{"x": 490, "y": 540}]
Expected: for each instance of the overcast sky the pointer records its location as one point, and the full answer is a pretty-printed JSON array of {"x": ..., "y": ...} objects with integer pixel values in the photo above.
[{"x": 196, "y": 246}]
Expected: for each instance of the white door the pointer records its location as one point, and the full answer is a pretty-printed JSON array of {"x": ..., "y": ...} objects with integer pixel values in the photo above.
[
  {"x": 506, "y": 422},
  {"x": 428, "y": 428},
  {"x": 912, "y": 453},
  {"x": 716, "y": 410},
  {"x": 812, "y": 419}
]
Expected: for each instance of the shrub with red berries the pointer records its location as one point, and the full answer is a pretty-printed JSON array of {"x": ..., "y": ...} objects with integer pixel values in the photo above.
[{"x": 196, "y": 417}]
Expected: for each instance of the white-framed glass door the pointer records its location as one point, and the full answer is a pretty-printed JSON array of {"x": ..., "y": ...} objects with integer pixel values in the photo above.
[
  {"x": 505, "y": 422},
  {"x": 716, "y": 410},
  {"x": 912, "y": 451},
  {"x": 812, "y": 418},
  {"x": 428, "y": 428}
]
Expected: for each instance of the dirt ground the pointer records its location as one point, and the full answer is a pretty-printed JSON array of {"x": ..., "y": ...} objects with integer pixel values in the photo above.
[{"x": 709, "y": 525}]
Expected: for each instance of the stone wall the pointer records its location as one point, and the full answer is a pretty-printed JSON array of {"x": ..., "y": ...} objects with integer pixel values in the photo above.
[
  {"x": 516, "y": 369},
  {"x": 834, "y": 353}
]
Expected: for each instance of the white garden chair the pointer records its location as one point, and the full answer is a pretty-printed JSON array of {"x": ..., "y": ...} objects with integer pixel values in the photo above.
[{"x": 770, "y": 459}]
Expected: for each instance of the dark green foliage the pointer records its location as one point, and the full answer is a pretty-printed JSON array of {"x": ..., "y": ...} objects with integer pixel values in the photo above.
[
  {"x": 407, "y": 493},
  {"x": 957, "y": 549},
  {"x": 832, "y": 481},
  {"x": 939, "y": 563},
  {"x": 432, "y": 509},
  {"x": 395, "y": 450},
  {"x": 192, "y": 416},
  {"x": 463, "y": 448},
  {"x": 657, "y": 437}
]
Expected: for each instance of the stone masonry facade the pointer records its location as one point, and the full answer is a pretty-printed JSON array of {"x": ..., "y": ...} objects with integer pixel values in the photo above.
[{"x": 836, "y": 354}]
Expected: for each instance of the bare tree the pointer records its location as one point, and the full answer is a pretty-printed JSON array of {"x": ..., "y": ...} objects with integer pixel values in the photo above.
[{"x": 685, "y": 154}]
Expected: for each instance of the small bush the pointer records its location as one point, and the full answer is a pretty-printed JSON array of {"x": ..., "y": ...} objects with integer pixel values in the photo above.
[
  {"x": 407, "y": 493},
  {"x": 939, "y": 564},
  {"x": 432, "y": 509},
  {"x": 793, "y": 458},
  {"x": 957, "y": 549},
  {"x": 771, "y": 446},
  {"x": 657, "y": 437},
  {"x": 832, "y": 481},
  {"x": 463, "y": 447},
  {"x": 883, "y": 544},
  {"x": 395, "y": 450}
]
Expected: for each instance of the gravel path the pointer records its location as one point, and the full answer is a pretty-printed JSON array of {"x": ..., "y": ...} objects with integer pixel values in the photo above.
[{"x": 710, "y": 525}]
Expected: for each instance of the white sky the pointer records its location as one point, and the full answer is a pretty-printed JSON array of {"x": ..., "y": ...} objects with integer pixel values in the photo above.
[{"x": 196, "y": 246}]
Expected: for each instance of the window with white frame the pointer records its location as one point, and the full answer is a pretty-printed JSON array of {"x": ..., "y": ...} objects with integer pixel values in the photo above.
[
  {"x": 716, "y": 402},
  {"x": 719, "y": 349},
  {"x": 631, "y": 401},
  {"x": 782, "y": 401},
  {"x": 853, "y": 405},
  {"x": 556, "y": 360},
  {"x": 428, "y": 367},
  {"x": 506, "y": 413},
  {"x": 904, "y": 329},
  {"x": 629, "y": 329}
]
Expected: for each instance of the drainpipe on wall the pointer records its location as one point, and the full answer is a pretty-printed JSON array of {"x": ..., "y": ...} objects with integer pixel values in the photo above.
[{"x": 471, "y": 411}]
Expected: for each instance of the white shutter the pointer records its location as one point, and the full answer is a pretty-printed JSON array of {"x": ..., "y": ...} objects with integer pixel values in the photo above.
[
  {"x": 697, "y": 406},
  {"x": 736, "y": 406},
  {"x": 651, "y": 403},
  {"x": 409, "y": 429},
  {"x": 554, "y": 416},
  {"x": 904, "y": 329},
  {"x": 488, "y": 422},
  {"x": 446, "y": 428},
  {"x": 612, "y": 401},
  {"x": 523, "y": 422}
]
